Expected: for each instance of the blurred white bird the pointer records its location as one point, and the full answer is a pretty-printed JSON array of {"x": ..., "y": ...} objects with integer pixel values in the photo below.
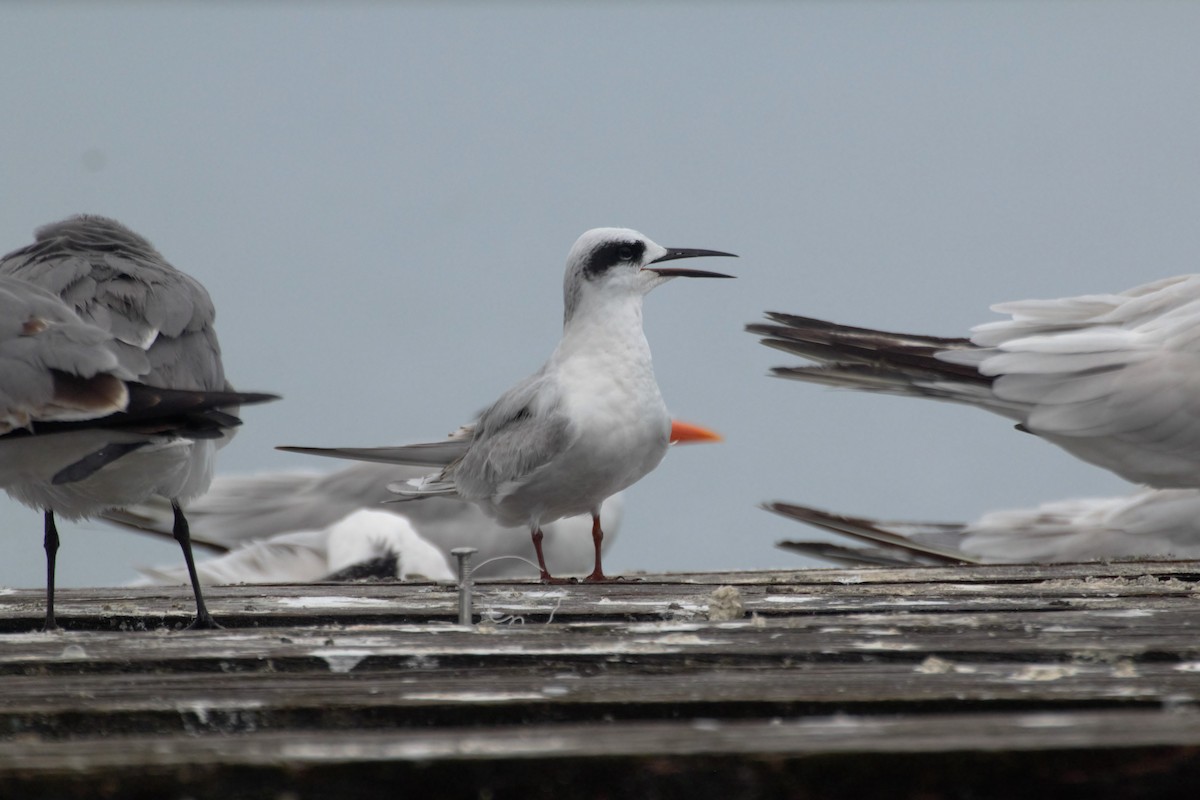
[
  {"x": 1153, "y": 523},
  {"x": 272, "y": 509},
  {"x": 588, "y": 424},
  {"x": 366, "y": 543},
  {"x": 157, "y": 324},
  {"x": 1112, "y": 378}
]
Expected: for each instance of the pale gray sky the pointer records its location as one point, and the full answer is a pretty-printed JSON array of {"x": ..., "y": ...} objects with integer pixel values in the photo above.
[{"x": 380, "y": 198}]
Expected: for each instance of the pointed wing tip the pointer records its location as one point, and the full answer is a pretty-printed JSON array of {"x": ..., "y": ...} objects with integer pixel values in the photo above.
[
  {"x": 315, "y": 451},
  {"x": 792, "y": 510}
]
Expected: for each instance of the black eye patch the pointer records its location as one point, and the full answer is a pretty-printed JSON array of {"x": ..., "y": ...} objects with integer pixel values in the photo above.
[{"x": 610, "y": 254}]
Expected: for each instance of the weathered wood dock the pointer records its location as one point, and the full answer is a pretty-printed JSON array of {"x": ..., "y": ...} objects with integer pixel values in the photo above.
[{"x": 932, "y": 682}]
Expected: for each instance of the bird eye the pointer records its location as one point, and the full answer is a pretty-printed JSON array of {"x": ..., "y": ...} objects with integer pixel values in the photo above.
[{"x": 625, "y": 252}]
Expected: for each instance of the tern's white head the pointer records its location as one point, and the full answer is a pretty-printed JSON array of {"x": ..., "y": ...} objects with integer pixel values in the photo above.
[{"x": 607, "y": 264}]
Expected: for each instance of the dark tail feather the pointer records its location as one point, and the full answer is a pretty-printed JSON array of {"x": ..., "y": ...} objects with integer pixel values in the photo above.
[
  {"x": 151, "y": 411},
  {"x": 846, "y": 556},
  {"x": 150, "y": 402},
  {"x": 872, "y": 531},
  {"x": 831, "y": 343},
  {"x": 154, "y": 410}
]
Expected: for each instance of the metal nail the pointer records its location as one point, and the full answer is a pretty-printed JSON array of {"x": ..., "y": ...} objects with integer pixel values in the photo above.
[{"x": 463, "y": 555}]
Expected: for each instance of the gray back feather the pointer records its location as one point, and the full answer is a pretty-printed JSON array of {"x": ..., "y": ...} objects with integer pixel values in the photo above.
[{"x": 115, "y": 279}]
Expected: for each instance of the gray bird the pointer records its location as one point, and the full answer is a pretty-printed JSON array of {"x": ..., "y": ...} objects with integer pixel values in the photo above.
[{"x": 113, "y": 389}]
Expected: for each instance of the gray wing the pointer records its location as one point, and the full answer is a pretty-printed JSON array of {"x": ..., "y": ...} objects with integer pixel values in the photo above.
[
  {"x": 53, "y": 365},
  {"x": 67, "y": 405},
  {"x": 116, "y": 280},
  {"x": 518, "y": 435}
]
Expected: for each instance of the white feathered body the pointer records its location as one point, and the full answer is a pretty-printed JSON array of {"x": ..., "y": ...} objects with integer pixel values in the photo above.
[{"x": 599, "y": 394}]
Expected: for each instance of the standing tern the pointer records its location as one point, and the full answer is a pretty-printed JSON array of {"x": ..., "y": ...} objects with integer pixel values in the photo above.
[
  {"x": 1152, "y": 523},
  {"x": 157, "y": 323},
  {"x": 288, "y": 527},
  {"x": 1114, "y": 379},
  {"x": 588, "y": 424}
]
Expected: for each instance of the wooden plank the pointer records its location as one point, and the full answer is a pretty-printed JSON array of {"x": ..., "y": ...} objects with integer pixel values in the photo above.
[
  {"x": 1067, "y": 637},
  {"x": 1109, "y": 754},
  {"x": 194, "y": 703},
  {"x": 934, "y": 676},
  {"x": 974, "y": 589}
]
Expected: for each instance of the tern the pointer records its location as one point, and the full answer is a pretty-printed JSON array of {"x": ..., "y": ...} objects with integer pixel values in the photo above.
[
  {"x": 285, "y": 527},
  {"x": 1114, "y": 379},
  {"x": 160, "y": 433},
  {"x": 1152, "y": 523},
  {"x": 588, "y": 424}
]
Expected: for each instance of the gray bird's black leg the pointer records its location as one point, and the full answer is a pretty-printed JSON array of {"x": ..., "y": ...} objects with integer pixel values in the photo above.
[
  {"x": 183, "y": 535},
  {"x": 50, "y": 542}
]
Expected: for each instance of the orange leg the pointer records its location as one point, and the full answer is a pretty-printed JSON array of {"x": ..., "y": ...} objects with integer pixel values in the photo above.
[
  {"x": 537, "y": 536},
  {"x": 597, "y": 540}
]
